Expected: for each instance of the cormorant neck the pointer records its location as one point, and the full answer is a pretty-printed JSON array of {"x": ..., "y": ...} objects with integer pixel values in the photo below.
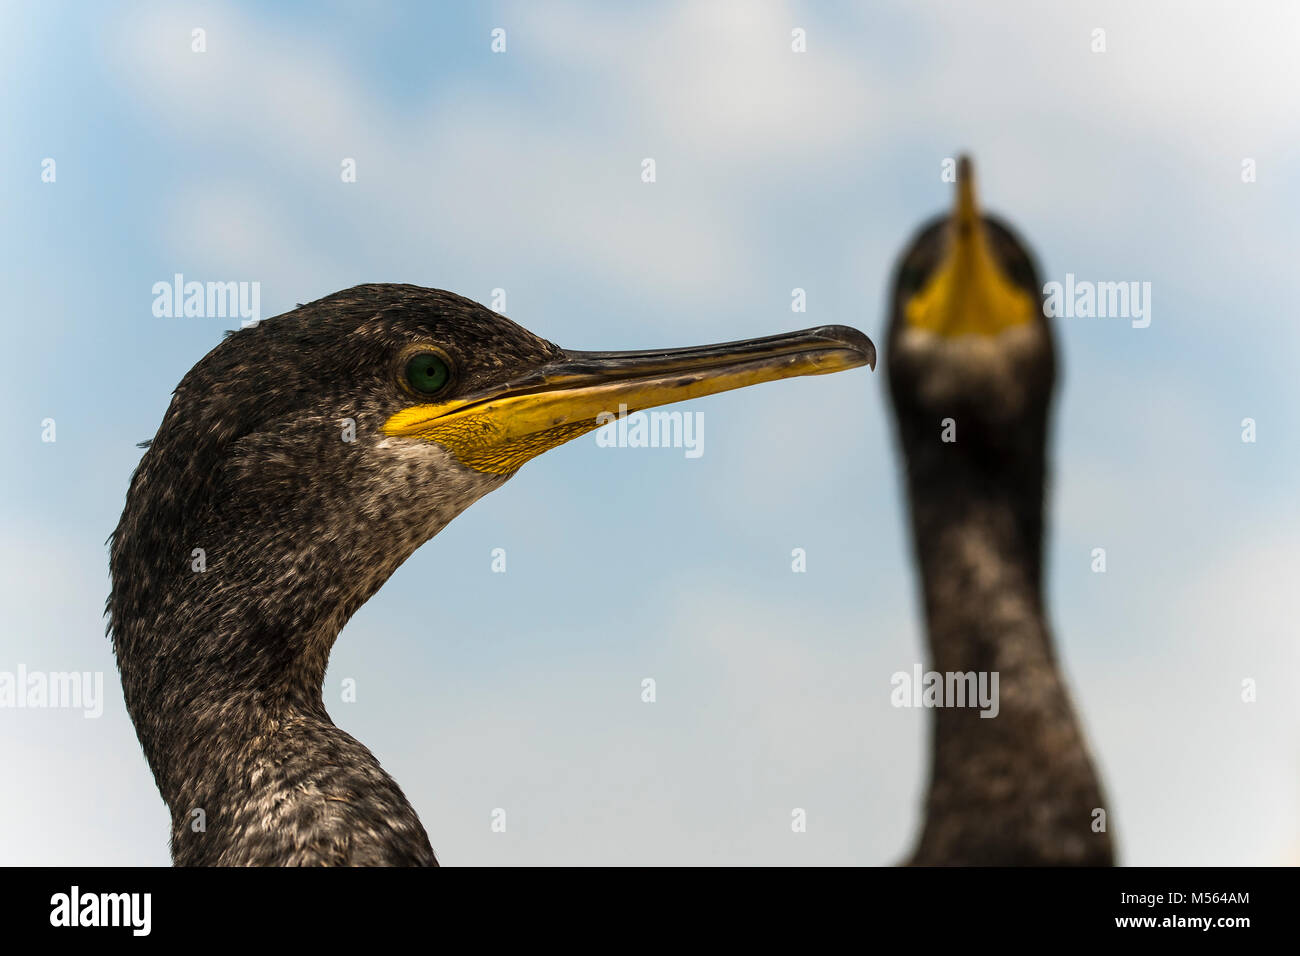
[
  {"x": 1018, "y": 787},
  {"x": 283, "y": 786},
  {"x": 978, "y": 542},
  {"x": 255, "y": 772},
  {"x": 222, "y": 670}
]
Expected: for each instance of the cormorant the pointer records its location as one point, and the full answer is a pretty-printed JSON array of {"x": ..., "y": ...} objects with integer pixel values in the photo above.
[
  {"x": 972, "y": 369},
  {"x": 299, "y": 463}
]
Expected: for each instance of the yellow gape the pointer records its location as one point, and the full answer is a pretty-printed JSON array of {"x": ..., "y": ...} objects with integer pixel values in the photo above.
[
  {"x": 497, "y": 437},
  {"x": 968, "y": 294}
]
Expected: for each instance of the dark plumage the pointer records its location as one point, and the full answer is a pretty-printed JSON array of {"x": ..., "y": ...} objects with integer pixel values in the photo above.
[
  {"x": 222, "y": 668},
  {"x": 972, "y": 346}
]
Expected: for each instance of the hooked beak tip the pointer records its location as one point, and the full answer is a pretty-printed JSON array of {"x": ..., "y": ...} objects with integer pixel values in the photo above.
[{"x": 851, "y": 340}]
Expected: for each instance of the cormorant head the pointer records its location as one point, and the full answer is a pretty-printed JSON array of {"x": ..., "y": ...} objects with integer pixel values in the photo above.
[
  {"x": 967, "y": 339},
  {"x": 303, "y": 459}
]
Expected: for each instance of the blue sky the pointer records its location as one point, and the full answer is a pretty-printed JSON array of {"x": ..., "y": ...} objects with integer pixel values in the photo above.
[{"x": 775, "y": 170}]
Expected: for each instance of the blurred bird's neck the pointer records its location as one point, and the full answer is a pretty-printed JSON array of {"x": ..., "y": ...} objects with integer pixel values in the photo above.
[
  {"x": 1013, "y": 787},
  {"x": 979, "y": 545}
]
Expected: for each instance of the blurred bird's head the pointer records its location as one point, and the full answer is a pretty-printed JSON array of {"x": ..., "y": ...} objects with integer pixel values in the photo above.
[{"x": 967, "y": 338}]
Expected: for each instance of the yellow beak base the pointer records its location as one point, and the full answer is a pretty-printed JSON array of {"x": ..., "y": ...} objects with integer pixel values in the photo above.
[
  {"x": 968, "y": 294},
  {"x": 496, "y": 431}
]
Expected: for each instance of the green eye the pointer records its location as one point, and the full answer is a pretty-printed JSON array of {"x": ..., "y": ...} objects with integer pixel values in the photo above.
[{"x": 427, "y": 372}]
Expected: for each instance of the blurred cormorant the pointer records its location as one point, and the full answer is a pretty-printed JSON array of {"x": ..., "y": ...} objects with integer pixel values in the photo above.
[{"x": 971, "y": 374}]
